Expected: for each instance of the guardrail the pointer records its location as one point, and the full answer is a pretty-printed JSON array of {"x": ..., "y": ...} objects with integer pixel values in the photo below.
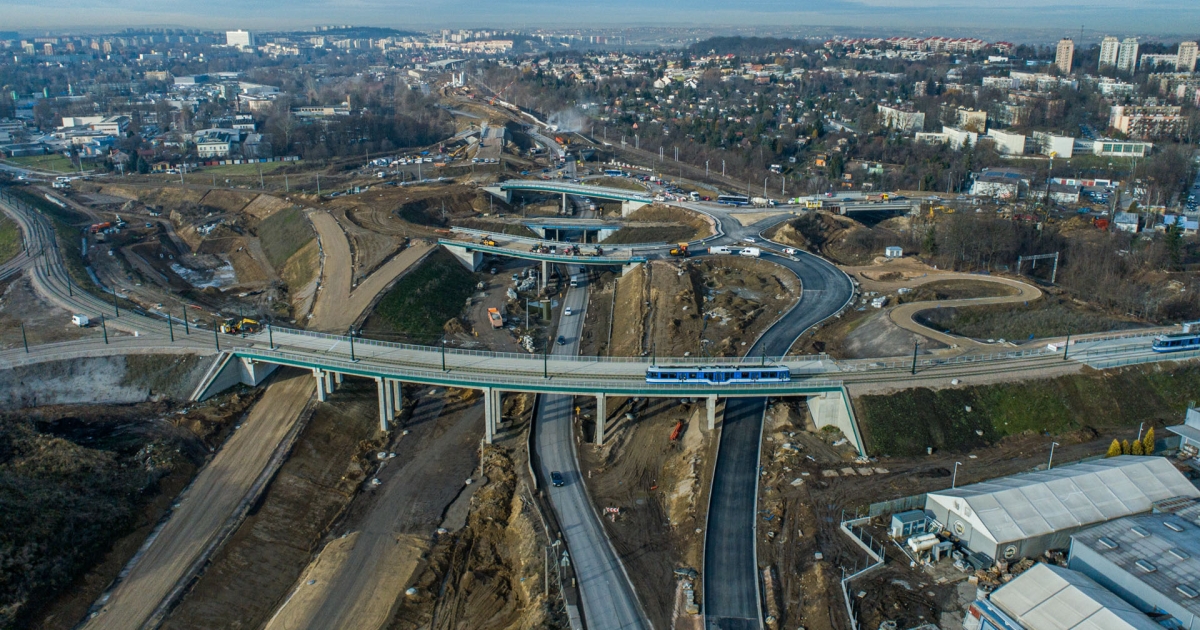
[
  {"x": 554, "y": 381},
  {"x": 437, "y": 351},
  {"x": 1153, "y": 358}
]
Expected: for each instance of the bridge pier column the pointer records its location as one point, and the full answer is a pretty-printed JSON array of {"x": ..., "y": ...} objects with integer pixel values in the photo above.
[
  {"x": 491, "y": 412},
  {"x": 321, "y": 391},
  {"x": 712, "y": 412},
  {"x": 545, "y": 278},
  {"x": 397, "y": 397},
  {"x": 564, "y": 206},
  {"x": 328, "y": 382},
  {"x": 384, "y": 418},
  {"x": 337, "y": 378},
  {"x": 601, "y": 418}
]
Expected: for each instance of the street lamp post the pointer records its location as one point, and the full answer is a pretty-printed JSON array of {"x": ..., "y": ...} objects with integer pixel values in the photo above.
[
  {"x": 954, "y": 476},
  {"x": 1050, "y": 463}
]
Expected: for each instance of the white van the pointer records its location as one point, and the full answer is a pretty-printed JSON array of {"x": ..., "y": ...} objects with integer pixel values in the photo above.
[{"x": 753, "y": 252}]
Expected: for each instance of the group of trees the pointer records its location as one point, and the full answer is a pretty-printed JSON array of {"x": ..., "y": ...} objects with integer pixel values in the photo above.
[{"x": 1144, "y": 446}]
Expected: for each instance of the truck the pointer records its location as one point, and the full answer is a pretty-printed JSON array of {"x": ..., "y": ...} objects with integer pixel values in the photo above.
[
  {"x": 720, "y": 249},
  {"x": 762, "y": 202},
  {"x": 80, "y": 320},
  {"x": 752, "y": 252},
  {"x": 680, "y": 250},
  {"x": 496, "y": 319},
  {"x": 578, "y": 280}
]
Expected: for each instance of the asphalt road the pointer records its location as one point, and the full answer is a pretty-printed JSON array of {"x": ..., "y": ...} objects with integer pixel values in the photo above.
[
  {"x": 730, "y": 565},
  {"x": 609, "y": 602}
]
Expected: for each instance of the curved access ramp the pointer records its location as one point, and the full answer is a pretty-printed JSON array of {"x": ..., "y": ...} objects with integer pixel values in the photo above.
[
  {"x": 731, "y": 596},
  {"x": 904, "y": 314}
]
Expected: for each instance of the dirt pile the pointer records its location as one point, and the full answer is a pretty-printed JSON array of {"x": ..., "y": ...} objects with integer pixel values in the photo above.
[
  {"x": 656, "y": 483},
  {"x": 843, "y": 240},
  {"x": 327, "y": 464},
  {"x": 743, "y": 298},
  {"x": 489, "y": 574}
]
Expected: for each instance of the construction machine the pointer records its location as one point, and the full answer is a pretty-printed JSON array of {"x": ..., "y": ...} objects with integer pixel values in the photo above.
[
  {"x": 242, "y": 326},
  {"x": 680, "y": 250},
  {"x": 487, "y": 240}
]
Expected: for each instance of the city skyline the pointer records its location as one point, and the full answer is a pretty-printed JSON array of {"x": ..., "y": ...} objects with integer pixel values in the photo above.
[{"x": 1172, "y": 17}]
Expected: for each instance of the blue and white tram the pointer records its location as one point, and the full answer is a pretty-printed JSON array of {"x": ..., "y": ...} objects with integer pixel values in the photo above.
[
  {"x": 718, "y": 374},
  {"x": 1177, "y": 342}
]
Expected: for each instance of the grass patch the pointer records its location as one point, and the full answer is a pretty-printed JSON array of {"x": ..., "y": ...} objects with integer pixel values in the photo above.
[
  {"x": 660, "y": 234},
  {"x": 10, "y": 239},
  {"x": 283, "y": 234},
  {"x": 421, "y": 303},
  {"x": 301, "y": 267},
  {"x": 624, "y": 183},
  {"x": 1050, "y": 316},
  {"x": 512, "y": 229},
  {"x": 53, "y": 162},
  {"x": 957, "y": 290},
  {"x": 906, "y": 422},
  {"x": 54, "y": 211}
]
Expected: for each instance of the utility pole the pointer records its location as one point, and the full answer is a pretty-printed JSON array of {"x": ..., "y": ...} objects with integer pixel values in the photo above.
[
  {"x": 352, "y": 359},
  {"x": 26, "y": 341},
  {"x": 171, "y": 327},
  {"x": 270, "y": 335},
  {"x": 115, "y": 306},
  {"x": 1050, "y": 463},
  {"x": 1067, "y": 346},
  {"x": 216, "y": 335},
  {"x": 546, "y": 359},
  {"x": 443, "y": 353},
  {"x": 916, "y": 346},
  {"x": 318, "y": 184},
  {"x": 186, "y": 331},
  {"x": 105, "y": 329}
]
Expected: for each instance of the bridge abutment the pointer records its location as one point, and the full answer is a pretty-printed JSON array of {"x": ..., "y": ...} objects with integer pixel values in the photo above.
[
  {"x": 711, "y": 412},
  {"x": 472, "y": 260},
  {"x": 601, "y": 418},
  {"x": 833, "y": 408},
  {"x": 629, "y": 207}
]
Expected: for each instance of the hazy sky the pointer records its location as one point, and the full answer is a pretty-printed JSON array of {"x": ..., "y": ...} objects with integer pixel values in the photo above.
[{"x": 1180, "y": 17}]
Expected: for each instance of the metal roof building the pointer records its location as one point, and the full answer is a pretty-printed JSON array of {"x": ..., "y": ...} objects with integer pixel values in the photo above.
[
  {"x": 1049, "y": 597},
  {"x": 1026, "y": 514},
  {"x": 1150, "y": 560}
]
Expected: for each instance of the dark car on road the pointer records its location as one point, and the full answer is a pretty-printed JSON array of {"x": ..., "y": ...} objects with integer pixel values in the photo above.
[
  {"x": 562, "y": 341},
  {"x": 556, "y": 479}
]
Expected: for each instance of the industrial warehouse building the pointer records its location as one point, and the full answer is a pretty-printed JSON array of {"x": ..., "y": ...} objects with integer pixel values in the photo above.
[
  {"x": 1024, "y": 515},
  {"x": 1151, "y": 561},
  {"x": 1048, "y": 597}
]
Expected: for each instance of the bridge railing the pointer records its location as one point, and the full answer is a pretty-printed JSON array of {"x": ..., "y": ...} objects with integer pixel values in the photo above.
[
  {"x": 436, "y": 351},
  {"x": 581, "y": 259},
  {"x": 530, "y": 379}
]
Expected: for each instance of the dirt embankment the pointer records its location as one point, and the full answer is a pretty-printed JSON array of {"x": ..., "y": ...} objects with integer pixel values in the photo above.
[
  {"x": 658, "y": 484},
  {"x": 803, "y": 591},
  {"x": 661, "y": 306},
  {"x": 328, "y": 462},
  {"x": 94, "y": 481},
  {"x": 842, "y": 240},
  {"x": 119, "y": 379},
  {"x": 489, "y": 575},
  {"x": 672, "y": 225}
]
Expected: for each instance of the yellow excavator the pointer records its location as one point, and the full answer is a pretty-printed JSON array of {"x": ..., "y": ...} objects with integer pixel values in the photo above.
[
  {"x": 680, "y": 250},
  {"x": 245, "y": 325}
]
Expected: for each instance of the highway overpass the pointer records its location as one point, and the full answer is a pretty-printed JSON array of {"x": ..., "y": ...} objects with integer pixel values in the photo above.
[{"x": 630, "y": 199}]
